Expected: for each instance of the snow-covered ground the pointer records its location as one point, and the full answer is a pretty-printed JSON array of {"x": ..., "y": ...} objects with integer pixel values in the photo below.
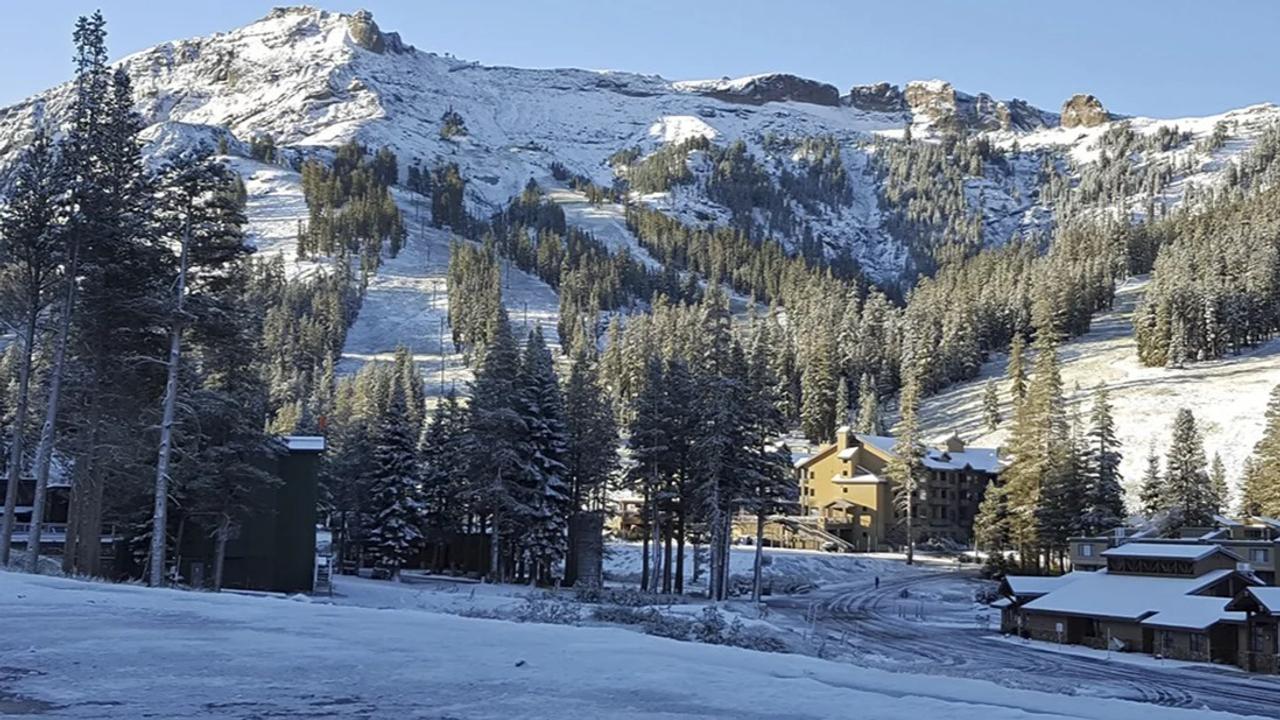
[
  {"x": 1228, "y": 396},
  {"x": 606, "y": 221},
  {"x": 75, "y": 649}
]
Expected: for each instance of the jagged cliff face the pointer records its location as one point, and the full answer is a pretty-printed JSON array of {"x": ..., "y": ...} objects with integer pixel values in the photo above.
[
  {"x": 314, "y": 79},
  {"x": 1082, "y": 110}
]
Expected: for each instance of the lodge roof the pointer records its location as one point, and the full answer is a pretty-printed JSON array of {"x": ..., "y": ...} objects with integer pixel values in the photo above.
[
  {"x": 1168, "y": 551},
  {"x": 985, "y": 460},
  {"x": 1160, "y": 599}
]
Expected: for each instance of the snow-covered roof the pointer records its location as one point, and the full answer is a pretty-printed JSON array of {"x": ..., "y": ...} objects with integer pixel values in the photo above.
[
  {"x": 1166, "y": 551},
  {"x": 848, "y": 453},
  {"x": 1226, "y": 521},
  {"x": 1130, "y": 597},
  {"x": 981, "y": 459},
  {"x": 1193, "y": 612},
  {"x": 1039, "y": 584},
  {"x": 1269, "y": 597},
  {"x": 859, "y": 479},
  {"x": 303, "y": 443},
  {"x": 1001, "y": 603},
  {"x": 799, "y": 459}
]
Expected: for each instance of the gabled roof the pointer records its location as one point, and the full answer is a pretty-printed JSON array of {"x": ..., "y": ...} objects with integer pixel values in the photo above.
[
  {"x": 1258, "y": 598},
  {"x": 1168, "y": 551},
  {"x": 1036, "y": 585},
  {"x": 1193, "y": 612},
  {"x": 1129, "y": 597}
]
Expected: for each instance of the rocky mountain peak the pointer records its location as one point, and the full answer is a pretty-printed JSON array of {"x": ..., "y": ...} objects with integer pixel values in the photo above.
[
  {"x": 769, "y": 87},
  {"x": 366, "y": 34},
  {"x": 939, "y": 104},
  {"x": 879, "y": 97},
  {"x": 1082, "y": 110}
]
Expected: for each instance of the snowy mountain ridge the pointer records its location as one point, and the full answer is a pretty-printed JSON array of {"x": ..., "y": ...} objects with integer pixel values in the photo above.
[{"x": 314, "y": 79}]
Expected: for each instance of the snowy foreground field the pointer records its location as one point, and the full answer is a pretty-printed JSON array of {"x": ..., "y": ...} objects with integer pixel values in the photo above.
[{"x": 89, "y": 650}]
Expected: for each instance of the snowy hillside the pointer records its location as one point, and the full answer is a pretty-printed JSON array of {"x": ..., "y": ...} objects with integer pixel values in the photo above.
[
  {"x": 1228, "y": 396},
  {"x": 313, "y": 79}
]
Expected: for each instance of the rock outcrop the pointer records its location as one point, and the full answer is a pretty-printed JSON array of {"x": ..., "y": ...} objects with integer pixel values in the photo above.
[
  {"x": 880, "y": 97},
  {"x": 760, "y": 89},
  {"x": 948, "y": 110},
  {"x": 1083, "y": 110},
  {"x": 365, "y": 33}
]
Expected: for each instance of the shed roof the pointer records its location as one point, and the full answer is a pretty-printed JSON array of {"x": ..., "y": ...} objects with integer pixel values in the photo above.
[{"x": 1193, "y": 612}]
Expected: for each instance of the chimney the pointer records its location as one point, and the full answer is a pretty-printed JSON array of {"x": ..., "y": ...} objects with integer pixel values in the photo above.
[
  {"x": 954, "y": 443},
  {"x": 843, "y": 433}
]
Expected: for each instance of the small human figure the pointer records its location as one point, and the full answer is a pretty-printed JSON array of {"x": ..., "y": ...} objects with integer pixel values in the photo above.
[{"x": 877, "y": 582}]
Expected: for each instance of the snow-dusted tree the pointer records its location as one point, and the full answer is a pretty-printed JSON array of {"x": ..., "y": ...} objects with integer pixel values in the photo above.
[
  {"x": 991, "y": 406},
  {"x": 1103, "y": 491},
  {"x": 818, "y": 387},
  {"x": 843, "y": 403},
  {"x": 1262, "y": 480},
  {"x": 907, "y": 465},
  {"x": 545, "y": 532},
  {"x": 1153, "y": 494},
  {"x": 1218, "y": 484},
  {"x": 591, "y": 458},
  {"x": 1186, "y": 480},
  {"x": 446, "y": 494},
  {"x": 497, "y": 440},
  {"x": 1016, "y": 369},
  {"x": 650, "y": 442},
  {"x": 868, "y": 408},
  {"x": 991, "y": 524},
  {"x": 395, "y": 510},
  {"x": 31, "y": 245}
]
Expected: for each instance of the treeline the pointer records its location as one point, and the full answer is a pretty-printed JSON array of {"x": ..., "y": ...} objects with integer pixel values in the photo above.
[
  {"x": 350, "y": 207},
  {"x": 1215, "y": 287},
  {"x": 702, "y": 410},
  {"x": 133, "y": 296},
  {"x": 519, "y": 462}
]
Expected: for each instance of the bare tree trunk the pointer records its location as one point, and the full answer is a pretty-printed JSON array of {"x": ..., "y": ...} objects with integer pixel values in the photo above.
[
  {"x": 494, "y": 554},
  {"x": 655, "y": 547},
  {"x": 666, "y": 555},
  {"x": 19, "y": 433},
  {"x": 680, "y": 552},
  {"x": 159, "y": 514},
  {"x": 220, "y": 551},
  {"x": 44, "y": 452},
  {"x": 644, "y": 547},
  {"x": 757, "y": 570}
]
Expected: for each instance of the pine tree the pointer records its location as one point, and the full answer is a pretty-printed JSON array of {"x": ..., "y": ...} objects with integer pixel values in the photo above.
[
  {"x": 1153, "y": 496},
  {"x": 1219, "y": 494},
  {"x": 1253, "y": 495},
  {"x": 31, "y": 227},
  {"x": 991, "y": 524},
  {"x": 539, "y": 402},
  {"x": 1187, "y": 482},
  {"x": 396, "y": 510},
  {"x": 1103, "y": 490},
  {"x": 1016, "y": 370},
  {"x": 651, "y": 442},
  {"x": 991, "y": 406},
  {"x": 591, "y": 456},
  {"x": 498, "y": 449},
  {"x": 818, "y": 387},
  {"x": 1262, "y": 483},
  {"x": 446, "y": 493},
  {"x": 906, "y": 467},
  {"x": 843, "y": 403},
  {"x": 868, "y": 408}
]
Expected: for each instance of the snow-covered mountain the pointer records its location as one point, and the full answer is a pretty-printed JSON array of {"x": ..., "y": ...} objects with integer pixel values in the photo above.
[{"x": 314, "y": 79}]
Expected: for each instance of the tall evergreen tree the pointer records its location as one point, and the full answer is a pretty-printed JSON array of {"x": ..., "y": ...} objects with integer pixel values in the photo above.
[
  {"x": 1016, "y": 369},
  {"x": 1153, "y": 495},
  {"x": 540, "y": 404},
  {"x": 498, "y": 442},
  {"x": 396, "y": 510},
  {"x": 1262, "y": 482},
  {"x": 31, "y": 245},
  {"x": 446, "y": 491},
  {"x": 1103, "y": 491},
  {"x": 591, "y": 455},
  {"x": 991, "y": 406},
  {"x": 1186, "y": 479},
  {"x": 868, "y": 408}
]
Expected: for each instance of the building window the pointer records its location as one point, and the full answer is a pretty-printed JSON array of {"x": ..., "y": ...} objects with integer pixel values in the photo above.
[
  {"x": 1166, "y": 642},
  {"x": 1086, "y": 550},
  {"x": 1197, "y": 643},
  {"x": 1259, "y": 555}
]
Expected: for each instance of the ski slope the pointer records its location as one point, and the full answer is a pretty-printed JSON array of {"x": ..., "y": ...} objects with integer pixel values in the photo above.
[
  {"x": 90, "y": 650},
  {"x": 1228, "y": 396}
]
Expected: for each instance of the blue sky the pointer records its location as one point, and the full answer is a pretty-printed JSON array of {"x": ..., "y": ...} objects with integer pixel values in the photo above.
[{"x": 1164, "y": 58}]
